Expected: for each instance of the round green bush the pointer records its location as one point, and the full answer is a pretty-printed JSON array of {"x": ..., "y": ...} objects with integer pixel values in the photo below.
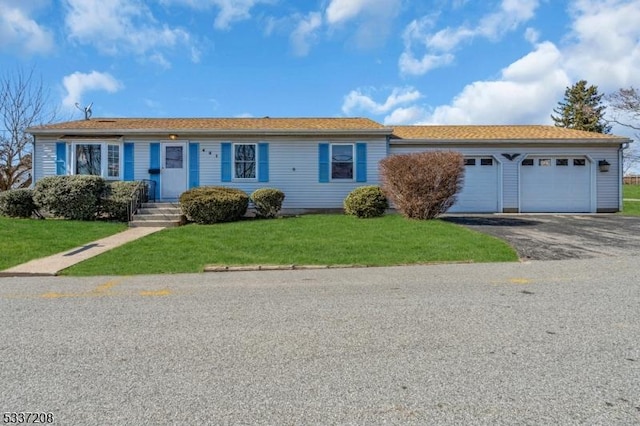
[
  {"x": 268, "y": 201},
  {"x": 366, "y": 202},
  {"x": 72, "y": 197},
  {"x": 117, "y": 199},
  {"x": 17, "y": 203},
  {"x": 212, "y": 204}
]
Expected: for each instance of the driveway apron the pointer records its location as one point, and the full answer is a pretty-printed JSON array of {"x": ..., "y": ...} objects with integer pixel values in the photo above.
[{"x": 555, "y": 237}]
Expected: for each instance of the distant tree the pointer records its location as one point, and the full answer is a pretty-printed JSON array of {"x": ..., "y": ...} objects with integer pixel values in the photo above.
[
  {"x": 581, "y": 109},
  {"x": 23, "y": 103},
  {"x": 625, "y": 104}
]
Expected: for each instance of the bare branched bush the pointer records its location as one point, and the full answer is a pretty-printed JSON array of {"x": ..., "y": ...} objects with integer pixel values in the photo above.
[{"x": 422, "y": 185}]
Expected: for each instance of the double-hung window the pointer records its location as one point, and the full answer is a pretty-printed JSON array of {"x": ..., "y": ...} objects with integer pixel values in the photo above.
[
  {"x": 245, "y": 161},
  {"x": 342, "y": 161},
  {"x": 97, "y": 158}
]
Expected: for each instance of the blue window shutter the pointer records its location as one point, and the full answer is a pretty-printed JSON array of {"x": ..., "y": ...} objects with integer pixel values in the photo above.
[
  {"x": 154, "y": 163},
  {"x": 194, "y": 165},
  {"x": 225, "y": 162},
  {"x": 128, "y": 161},
  {"x": 323, "y": 162},
  {"x": 361, "y": 162},
  {"x": 263, "y": 162},
  {"x": 61, "y": 158}
]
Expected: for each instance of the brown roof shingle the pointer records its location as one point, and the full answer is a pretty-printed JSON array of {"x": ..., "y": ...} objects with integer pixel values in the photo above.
[
  {"x": 215, "y": 124},
  {"x": 496, "y": 132}
]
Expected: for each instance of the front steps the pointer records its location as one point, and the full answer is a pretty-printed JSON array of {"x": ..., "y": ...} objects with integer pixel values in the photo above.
[{"x": 157, "y": 214}]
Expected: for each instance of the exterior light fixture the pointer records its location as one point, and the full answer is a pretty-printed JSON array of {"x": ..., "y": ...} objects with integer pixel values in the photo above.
[
  {"x": 603, "y": 165},
  {"x": 173, "y": 136}
]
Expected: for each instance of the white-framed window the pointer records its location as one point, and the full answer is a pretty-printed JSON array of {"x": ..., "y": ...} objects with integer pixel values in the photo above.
[
  {"x": 342, "y": 165},
  {"x": 245, "y": 161},
  {"x": 97, "y": 158}
]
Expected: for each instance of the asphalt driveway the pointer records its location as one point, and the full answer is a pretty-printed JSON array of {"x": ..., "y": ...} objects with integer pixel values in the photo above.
[{"x": 555, "y": 237}]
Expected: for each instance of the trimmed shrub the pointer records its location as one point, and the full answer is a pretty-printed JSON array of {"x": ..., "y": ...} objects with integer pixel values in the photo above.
[
  {"x": 422, "y": 185},
  {"x": 365, "y": 202},
  {"x": 70, "y": 197},
  {"x": 116, "y": 200},
  {"x": 212, "y": 204},
  {"x": 17, "y": 203},
  {"x": 268, "y": 201}
]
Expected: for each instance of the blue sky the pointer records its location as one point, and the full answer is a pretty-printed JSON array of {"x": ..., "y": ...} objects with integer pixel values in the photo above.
[{"x": 395, "y": 61}]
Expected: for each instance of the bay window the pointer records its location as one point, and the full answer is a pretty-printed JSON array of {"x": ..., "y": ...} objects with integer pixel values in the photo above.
[{"x": 97, "y": 159}]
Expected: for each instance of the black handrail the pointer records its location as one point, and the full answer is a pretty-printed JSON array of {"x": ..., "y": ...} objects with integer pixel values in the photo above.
[{"x": 139, "y": 195}]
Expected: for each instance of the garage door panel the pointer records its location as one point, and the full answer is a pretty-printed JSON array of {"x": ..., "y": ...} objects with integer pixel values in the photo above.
[
  {"x": 479, "y": 193},
  {"x": 555, "y": 184}
]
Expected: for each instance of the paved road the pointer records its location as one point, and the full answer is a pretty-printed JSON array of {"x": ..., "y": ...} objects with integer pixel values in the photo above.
[
  {"x": 563, "y": 236},
  {"x": 520, "y": 343}
]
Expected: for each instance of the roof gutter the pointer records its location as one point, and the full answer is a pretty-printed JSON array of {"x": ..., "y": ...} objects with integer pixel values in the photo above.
[
  {"x": 614, "y": 141},
  {"x": 212, "y": 132}
]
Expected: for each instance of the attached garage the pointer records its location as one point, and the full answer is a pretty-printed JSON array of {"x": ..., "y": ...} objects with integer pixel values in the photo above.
[
  {"x": 560, "y": 184},
  {"x": 480, "y": 193}
]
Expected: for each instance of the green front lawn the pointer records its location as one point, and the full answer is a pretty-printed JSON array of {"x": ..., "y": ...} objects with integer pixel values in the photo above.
[
  {"x": 304, "y": 240},
  {"x": 22, "y": 240},
  {"x": 631, "y": 208},
  {"x": 631, "y": 191}
]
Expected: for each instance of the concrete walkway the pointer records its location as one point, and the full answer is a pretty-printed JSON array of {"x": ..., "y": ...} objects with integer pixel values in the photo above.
[{"x": 53, "y": 264}]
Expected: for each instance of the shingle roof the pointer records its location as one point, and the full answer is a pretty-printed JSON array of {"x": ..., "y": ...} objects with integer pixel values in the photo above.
[
  {"x": 508, "y": 132},
  {"x": 399, "y": 134},
  {"x": 215, "y": 124}
]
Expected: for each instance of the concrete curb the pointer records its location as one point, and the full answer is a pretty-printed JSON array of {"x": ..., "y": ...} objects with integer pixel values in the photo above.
[{"x": 244, "y": 268}]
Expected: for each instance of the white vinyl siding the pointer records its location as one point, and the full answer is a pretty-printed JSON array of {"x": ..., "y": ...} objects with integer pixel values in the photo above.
[
  {"x": 140, "y": 160},
  {"x": 293, "y": 169},
  {"x": 45, "y": 159},
  {"x": 606, "y": 191}
]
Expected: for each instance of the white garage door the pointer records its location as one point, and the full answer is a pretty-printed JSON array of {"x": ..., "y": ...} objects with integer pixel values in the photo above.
[
  {"x": 480, "y": 191},
  {"x": 555, "y": 184}
]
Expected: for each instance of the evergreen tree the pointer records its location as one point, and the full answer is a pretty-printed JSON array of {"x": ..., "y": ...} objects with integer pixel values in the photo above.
[{"x": 581, "y": 109}]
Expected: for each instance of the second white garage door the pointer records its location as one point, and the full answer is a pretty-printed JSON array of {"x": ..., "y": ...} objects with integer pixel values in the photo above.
[
  {"x": 559, "y": 184},
  {"x": 480, "y": 191}
]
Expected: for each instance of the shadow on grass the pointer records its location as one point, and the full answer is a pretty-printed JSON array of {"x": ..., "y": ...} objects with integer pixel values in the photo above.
[{"x": 490, "y": 221}]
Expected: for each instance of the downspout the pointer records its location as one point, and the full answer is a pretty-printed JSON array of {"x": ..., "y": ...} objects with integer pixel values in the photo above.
[
  {"x": 621, "y": 149},
  {"x": 33, "y": 164}
]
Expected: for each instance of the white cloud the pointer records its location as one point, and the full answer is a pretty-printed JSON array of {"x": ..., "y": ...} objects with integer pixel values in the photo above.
[
  {"x": 439, "y": 45},
  {"x": 78, "y": 83},
  {"x": 532, "y": 35},
  {"x": 230, "y": 11},
  {"x": 233, "y": 10},
  {"x": 605, "y": 46},
  {"x": 373, "y": 19},
  {"x": 305, "y": 33},
  {"x": 409, "y": 115},
  {"x": 526, "y": 92},
  {"x": 340, "y": 11},
  {"x": 357, "y": 101},
  {"x": 410, "y": 65},
  {"x": 19, "y": 31},
  {"x": 114, "y": 26}
]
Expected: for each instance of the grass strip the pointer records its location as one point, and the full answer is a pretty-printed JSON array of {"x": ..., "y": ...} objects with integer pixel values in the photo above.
[
  {"x": 22, "y": 240},
  {"x": 304, "y": 240}
]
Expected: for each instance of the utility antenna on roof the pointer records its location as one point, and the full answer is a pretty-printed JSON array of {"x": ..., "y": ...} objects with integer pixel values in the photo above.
[{"x": 87, "y": 110}]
